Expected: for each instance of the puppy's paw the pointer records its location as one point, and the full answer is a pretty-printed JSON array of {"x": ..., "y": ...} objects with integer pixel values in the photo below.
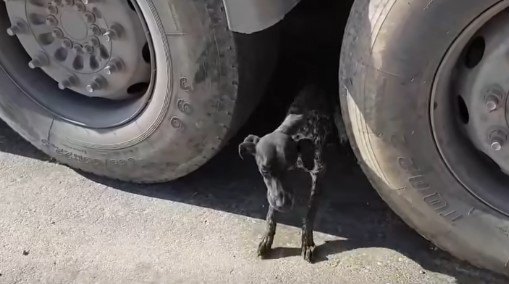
[
  {"x": 307, "y": 252},
  {"x": 265, "y": 246}
]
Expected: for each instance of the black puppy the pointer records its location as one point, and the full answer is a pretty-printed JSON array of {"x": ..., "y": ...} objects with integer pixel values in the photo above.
[{"x": 297, "y": 143}]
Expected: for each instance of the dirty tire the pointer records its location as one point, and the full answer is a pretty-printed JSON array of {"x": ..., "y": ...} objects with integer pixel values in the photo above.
[
  {"x": 208, "y": 81},
  {"x": 391, "y": 51}
]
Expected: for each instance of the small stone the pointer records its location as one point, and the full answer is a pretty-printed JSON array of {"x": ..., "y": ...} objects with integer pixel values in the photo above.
[{"x": 26, "y": 252}]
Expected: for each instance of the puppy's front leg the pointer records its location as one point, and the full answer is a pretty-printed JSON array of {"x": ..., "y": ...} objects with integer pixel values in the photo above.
[
  {"x": 268, "y": 238},
  {"x": 308, "y": 244}
]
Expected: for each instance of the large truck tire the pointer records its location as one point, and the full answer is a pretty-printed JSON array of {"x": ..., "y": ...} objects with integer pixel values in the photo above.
[
  {"x": 197, "y": 82},
  {"x": 423, "y": 89}
]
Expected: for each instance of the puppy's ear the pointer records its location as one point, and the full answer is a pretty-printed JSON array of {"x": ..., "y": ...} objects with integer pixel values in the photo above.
[
  {"x": 248, "y": 146},
  {"x": 306, "y": 149}
]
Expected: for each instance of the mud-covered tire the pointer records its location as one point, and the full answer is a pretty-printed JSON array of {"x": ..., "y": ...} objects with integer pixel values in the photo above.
[
  {"x": 208, "y": 80},
  {"x": 391, "y": 52}
]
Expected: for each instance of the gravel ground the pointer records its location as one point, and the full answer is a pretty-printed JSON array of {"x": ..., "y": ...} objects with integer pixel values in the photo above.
[{"x": 61, "y": 226}]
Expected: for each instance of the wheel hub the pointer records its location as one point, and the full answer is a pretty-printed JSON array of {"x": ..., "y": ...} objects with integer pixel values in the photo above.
[
  {"x": 94, "y": 48},
  {"x": 73, "y": 24},
  {"x": 483, "y": 86}
]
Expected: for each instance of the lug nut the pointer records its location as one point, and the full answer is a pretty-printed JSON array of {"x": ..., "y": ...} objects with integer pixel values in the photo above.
[
  {"x": 97, "y": 84},
  {"x": 17, "y": 28},
  {"x": 96, "y": 30},
  {"x": 497, "y": 140},
  {"x": 114, "y": 32},
  {"x": 109, "y": 35},
  {"x": 89, "y": 17},
  {"x": 14, "y": 30},
  {"x": 39, "y": 61},
  {"x": 57, "y": 33},
  {"x": 79, "y": 6},
  {"x": 493, "y": 96},
  {"x": 77, "y": 47},
  {"x": 94, "y": 41},
  {"x": 67, "y": 83},
  {"x": 66, "y": 43},
  {"x": 496, "y": 145},
  {"x": 53, "y": 9},
  {"x": 51, "y": 21},
  {"x": 89, "y": 49},
  {"x": 492, "y": 103},
  {"x": 115, "y": 65}
]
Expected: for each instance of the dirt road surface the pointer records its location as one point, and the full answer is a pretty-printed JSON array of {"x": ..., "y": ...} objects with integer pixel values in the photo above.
[{"x": 61, "y": 226}]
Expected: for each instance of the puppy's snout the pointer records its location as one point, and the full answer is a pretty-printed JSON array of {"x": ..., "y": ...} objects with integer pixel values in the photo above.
[{"x": 281, "y": 201}]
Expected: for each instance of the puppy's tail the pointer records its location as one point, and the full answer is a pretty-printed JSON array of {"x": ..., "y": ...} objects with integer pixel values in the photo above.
[{"x": 340, "y": 125}]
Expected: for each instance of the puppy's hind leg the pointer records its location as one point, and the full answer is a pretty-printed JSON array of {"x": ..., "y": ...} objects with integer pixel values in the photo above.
[{"x": 268, "y": 238}]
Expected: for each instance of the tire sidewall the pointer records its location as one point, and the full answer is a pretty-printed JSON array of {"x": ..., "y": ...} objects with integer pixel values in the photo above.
[
  {"x": 391, "y": 53},
  {"x": 184, "y": 123}
]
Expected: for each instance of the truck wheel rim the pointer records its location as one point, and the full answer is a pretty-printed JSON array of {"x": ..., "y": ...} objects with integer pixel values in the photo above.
[
  {"x": 94, "y": 51},
  {"x": 469, "y": 108}
]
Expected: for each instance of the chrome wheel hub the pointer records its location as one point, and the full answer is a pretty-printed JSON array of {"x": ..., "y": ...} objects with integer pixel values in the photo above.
[{"x": 95, "y": 48}]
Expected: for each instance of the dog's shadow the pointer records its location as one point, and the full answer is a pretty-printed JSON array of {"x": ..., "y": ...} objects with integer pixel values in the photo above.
[
  {"x": 282, "y": 252},
  {"x": 321, "y": 253}
]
